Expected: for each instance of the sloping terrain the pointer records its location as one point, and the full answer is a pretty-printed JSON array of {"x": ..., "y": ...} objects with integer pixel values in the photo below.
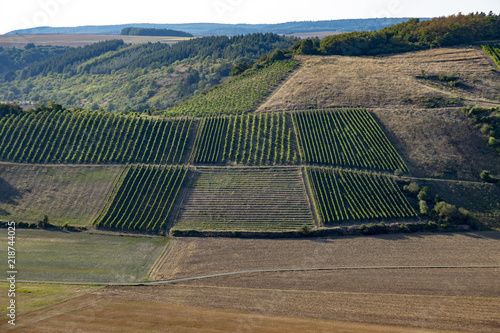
[
  {"x": 390, "y": 81},
  {"x": 420, "y": 115},
  {"x": 71, "y": 195},
  {"x": 262, "y": 199}
]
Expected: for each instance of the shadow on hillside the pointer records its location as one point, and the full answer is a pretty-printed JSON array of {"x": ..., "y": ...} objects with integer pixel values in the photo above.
[{"x": 8, "y": 193}]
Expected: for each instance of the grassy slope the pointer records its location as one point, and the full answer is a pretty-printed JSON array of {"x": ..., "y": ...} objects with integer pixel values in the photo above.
[
  {"x": 66, "y": 194},
  {"x": 435, "y": 142},
  {"x": 83, "y": 257}
]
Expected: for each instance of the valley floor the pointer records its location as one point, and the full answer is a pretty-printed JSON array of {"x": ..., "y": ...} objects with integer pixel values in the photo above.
[{"x": 410, "y": 299}]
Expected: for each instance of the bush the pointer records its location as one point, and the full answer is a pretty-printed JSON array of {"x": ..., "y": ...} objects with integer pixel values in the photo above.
[
  {"x": 413, "y": 188},
  {"x": 486, "y": 177},
  {"x": 447, "y": 212},
  {"x": 305, "y": 230},
  {"x": 423, "y": 194},
  {"x": 424, "y": 209}
]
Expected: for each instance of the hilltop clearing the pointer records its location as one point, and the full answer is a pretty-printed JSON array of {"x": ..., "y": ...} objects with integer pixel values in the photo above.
[{"x": 391, "y": 81}]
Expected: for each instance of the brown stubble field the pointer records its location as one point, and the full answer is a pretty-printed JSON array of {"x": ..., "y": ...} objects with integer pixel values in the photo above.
[
  {"x": 75, "y": 40},
  {"x": 201, "y": 256},
  {"x": 406, "y": 299}
]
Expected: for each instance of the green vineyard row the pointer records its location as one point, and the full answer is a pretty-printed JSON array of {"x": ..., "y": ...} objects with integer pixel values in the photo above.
[
  {"x": 91, "y": 137},
  {"x": 239, "y": 95},
  {"x": 144, "y": 200},
  {"x": 347, "y": 137},
  {"x": 252, "y": 139},
  {"x": 342, "y": 195},
  {"x": 494, "y": 52}
]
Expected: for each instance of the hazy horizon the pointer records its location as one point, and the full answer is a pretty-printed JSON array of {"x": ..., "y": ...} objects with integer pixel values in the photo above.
[{"x": 71, "y": 13}]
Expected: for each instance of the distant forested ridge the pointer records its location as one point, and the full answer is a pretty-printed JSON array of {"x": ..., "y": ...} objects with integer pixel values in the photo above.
[
  {"x": 12, "y": 59},
  {"x": 131, "y": 31},
  {"x": 214, "y": 29},
  {"x": 407, "y": 36},
  {"x": 117, "y": 76}
]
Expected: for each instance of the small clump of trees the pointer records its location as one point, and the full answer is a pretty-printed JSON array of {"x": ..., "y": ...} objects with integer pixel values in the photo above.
[{"x": 435, "y": 208}]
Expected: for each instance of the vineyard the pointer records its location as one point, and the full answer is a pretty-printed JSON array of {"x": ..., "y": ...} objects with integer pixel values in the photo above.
[
  {"x": 342, "y": 195},
  {"x": 246, "y": 199},
  {"x": 240, "y": 94},
  {"x": 494, "y": 52},
  {"x": 91, "y": 138},
  {"x": 346, "y": 137},
  {"x": 144, "y": 199},
  {"x": 251, "y": 139}
]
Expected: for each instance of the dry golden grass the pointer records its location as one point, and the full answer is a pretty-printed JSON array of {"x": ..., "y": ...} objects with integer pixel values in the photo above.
[
  {"x": 387, "y": 81},
  {"x": 435, "y": 142},
  {"x": 72, "y": 194},
  {"x": 440, "y": 143}
]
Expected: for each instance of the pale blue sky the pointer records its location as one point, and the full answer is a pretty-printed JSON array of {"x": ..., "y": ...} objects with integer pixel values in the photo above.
[{"x": 18, "y": 14}]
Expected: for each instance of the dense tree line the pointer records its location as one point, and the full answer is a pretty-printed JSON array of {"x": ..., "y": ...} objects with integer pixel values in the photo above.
[
  {"x": 154, "y": 32},
  {"x": 65, "y": 62},
  {"x": 12, "y": 58},
  {"x": 407, "y": 36}
]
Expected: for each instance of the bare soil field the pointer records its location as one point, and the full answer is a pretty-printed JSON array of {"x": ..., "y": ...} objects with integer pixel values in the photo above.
[
  {"x": 93, "y": 313},
  {"x": 72, "y": 194},
  {"x": 75, "y": 40},
  {"x": 201, "y": 256}
]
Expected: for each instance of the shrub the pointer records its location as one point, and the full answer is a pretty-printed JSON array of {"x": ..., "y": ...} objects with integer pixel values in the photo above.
[
  {"x": 424, "y": 209},
  {"x": 423, "y": 194},
  {"x": 413, "y": 188},
  {"x": 305, "y": 230},
  {"x": 447, "y": 212},
  {"x": 486, "y": 177}
]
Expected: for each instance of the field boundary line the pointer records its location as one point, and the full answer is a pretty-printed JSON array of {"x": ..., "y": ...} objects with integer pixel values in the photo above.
[
  {"x": 161, "y": 258},
  {"x": 277, "y": 270}
]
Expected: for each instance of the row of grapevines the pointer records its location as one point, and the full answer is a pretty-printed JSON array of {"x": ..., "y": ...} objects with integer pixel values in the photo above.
[
  {"x": 91, "y": 137},
  {"x": 252, "y": 139},
  {"x": 144, "y": 200},
  {"x": 238, "y": 95},
  {"x": 343, "y": 195},
  {"x": 494, "y": 52},
  {"x": 346, "y": 137}
]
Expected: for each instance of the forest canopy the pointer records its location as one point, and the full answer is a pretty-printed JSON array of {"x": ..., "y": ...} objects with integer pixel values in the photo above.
[
  {"x": 408, "y": 36},
  {"x": 131, "y": 31}
]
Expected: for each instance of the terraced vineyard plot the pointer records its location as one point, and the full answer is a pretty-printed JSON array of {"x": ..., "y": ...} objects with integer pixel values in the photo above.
[
  {"x": 347, "y": 137},
  {"x": 91, "y": 137},
  {"x": 144, "y": 199},
  {"x": 252, "y": 139},
  {"x": 238, "y": 95},
  {"x": 342, "y": 195},
  {"x": 246, "y": 199}
]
